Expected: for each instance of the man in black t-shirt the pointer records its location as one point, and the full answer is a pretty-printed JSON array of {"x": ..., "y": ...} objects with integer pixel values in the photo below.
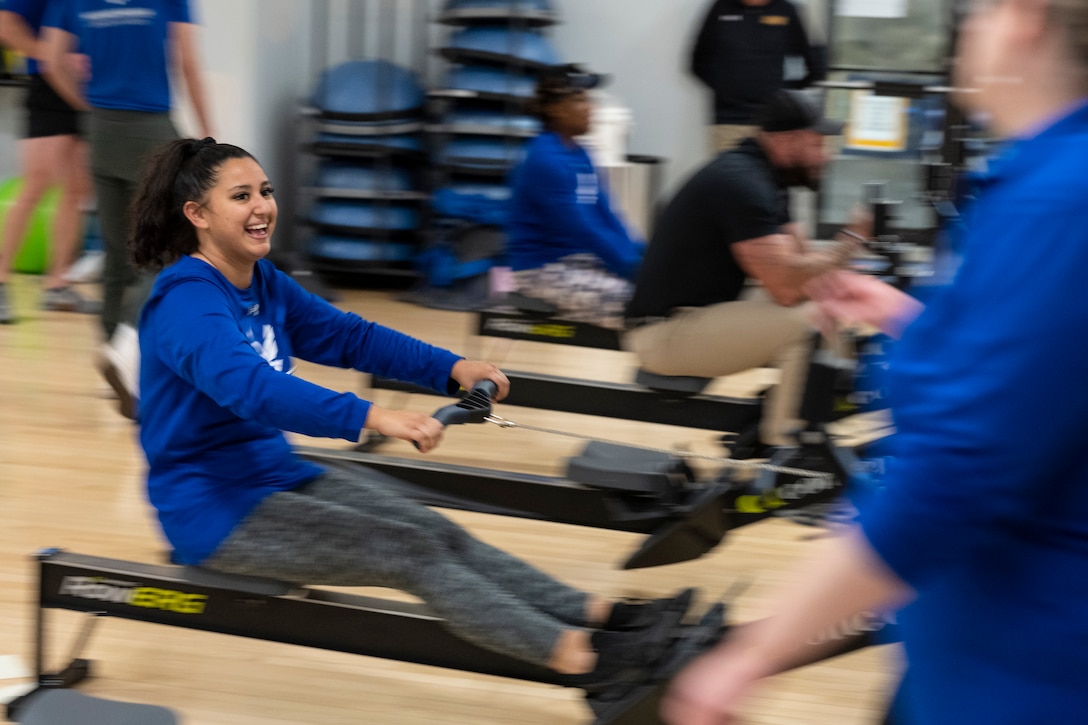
[
  {"x": 730, "y": 223},
  {"x": 740, "y": 54}
]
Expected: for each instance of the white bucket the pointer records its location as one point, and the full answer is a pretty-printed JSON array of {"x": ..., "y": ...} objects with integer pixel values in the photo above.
[{"x": 609, "y": 130}]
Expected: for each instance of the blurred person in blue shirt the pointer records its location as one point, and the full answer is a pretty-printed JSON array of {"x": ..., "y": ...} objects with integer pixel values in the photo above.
[
  {"x": 979, "y": 534},
  {"x": 132, "y": 48},
  {"x": 52, "y": 154}
]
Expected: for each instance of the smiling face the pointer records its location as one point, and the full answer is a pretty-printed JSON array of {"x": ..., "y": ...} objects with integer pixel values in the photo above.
[{"x": 235, "y": 221}]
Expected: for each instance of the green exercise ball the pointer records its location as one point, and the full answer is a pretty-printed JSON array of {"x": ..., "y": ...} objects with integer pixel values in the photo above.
[{"x": 33, "y": 255}]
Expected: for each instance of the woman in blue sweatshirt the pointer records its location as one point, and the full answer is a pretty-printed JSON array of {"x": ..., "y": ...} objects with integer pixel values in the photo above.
[
  {"x": 980, "y": 532},
  {"x": 217, "y": 337},
  {"x": 566, "y": 245}
]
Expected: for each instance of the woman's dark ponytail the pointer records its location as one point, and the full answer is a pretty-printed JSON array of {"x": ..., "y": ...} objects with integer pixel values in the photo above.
[{"x": 181, "y": 171}]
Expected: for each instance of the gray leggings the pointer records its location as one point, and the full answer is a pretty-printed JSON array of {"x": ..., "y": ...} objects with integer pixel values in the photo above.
[{"x": 350, "y": 529}]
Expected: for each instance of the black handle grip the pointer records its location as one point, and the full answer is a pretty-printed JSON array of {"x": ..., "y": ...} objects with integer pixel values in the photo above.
[{"x": 473, "y": 408}]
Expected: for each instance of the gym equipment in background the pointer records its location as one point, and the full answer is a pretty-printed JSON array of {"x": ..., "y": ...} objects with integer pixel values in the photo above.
[
  {"x": 33, "y": 255},
  {"x": 366, "y": 194}
]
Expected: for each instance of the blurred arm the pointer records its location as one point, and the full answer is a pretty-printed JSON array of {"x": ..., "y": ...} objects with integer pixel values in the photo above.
[
  {"x": 799, "y": 45},
  {"x": 17, "y": 35},
  {"x": 847, "y": 578},
  {"x": 55, "y": 46},
  {"x": 702, "y": 53},
  {"x": 782, "y": 265}
]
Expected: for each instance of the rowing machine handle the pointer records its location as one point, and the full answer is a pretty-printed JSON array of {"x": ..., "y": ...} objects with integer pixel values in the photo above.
[{"x": 473, "y": 408}]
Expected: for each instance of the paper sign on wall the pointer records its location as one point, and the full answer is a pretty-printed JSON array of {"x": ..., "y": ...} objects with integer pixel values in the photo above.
[
  {"x": 871, "y": 8},
  {"x": 877, "y": 123}
]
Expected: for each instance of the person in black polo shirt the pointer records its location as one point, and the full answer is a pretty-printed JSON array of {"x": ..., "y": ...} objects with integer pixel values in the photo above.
[
  {"x": 740, "y": 54},
  {"x": 730, "y": 223}
]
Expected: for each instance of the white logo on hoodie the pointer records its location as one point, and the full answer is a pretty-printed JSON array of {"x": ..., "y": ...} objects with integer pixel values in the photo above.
[{"x": 268, "y": 349}]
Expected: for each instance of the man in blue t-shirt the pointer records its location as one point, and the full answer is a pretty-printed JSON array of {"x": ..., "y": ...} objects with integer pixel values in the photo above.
[
  {"x": 131, "y": 48},
  {"x": 566, "y": 245}
]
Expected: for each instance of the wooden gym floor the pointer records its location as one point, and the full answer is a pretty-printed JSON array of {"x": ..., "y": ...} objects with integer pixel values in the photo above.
[{"x": 71, "y": 477}]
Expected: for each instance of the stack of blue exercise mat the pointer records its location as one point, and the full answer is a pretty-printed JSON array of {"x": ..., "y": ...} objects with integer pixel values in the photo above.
[
  {"x": 367, "y": 190},
  {"x": 496, "y": 50}
]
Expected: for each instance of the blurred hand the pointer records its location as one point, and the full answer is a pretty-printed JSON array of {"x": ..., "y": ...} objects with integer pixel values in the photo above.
[
  {"x": 708, "y": 691},
  {"x": 79, "y": 65},
  {"x": 842, "y": 251},
  {"x": 861, "y": 221},
  {"x": 419, "y": 428},
  {"x": 852, "y": 298},
  {"x": 470, "y": 372}
]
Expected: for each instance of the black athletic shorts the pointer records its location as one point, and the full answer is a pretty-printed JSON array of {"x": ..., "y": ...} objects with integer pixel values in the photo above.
[{"x": 47, "y": 113}]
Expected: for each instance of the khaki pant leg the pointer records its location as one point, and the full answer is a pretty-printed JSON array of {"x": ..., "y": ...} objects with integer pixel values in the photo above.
[
  {"x": 726, "y": 136},
  {"x": 729, "y": 338}
]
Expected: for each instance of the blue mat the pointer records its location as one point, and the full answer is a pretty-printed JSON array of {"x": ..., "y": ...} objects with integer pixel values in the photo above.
[
  {"x": 492, "y": 81},
  {"x": 540, "y": 5},
  {"x": 361, "y": 177},
  {"x": 482, "y": 151},
  {"x": 497, "y": 121},
  {"x": 347, "y": 249},
  {"x": 364, "y": 89},
  {"x": 500, "y": 45},
  {"x": 351, "y": 214}
]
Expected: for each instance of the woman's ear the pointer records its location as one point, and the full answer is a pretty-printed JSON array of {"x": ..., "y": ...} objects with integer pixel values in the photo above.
[{"x": 195, "y": 214}]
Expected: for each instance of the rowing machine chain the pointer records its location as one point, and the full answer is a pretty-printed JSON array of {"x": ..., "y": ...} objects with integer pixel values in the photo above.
[{"x": 728, "y": 462}]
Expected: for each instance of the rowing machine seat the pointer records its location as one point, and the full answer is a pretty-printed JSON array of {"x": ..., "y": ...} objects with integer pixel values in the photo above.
[
  {"x": 629, "y": 470},
  {"x": 527, "y": 305},
  {"x": 263, "y": 586},
  {"x": 682, "y": 384}
]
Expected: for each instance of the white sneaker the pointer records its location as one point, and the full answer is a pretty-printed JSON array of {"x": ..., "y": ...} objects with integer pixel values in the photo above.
[
  {"x": 87, "y": 268},
  {"x": 119, "y": 363}
]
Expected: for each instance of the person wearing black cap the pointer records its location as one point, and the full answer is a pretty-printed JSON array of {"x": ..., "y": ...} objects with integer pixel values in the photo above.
[
  {"x": 740, "y": 55},
  {"x": 566, "y": 245},
  {"x": 730, "y": 223}
]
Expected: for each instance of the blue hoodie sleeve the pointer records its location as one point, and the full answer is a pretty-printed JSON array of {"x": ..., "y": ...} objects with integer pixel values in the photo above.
[
  {"x": 199, "y": 339},
  {"x": 323, "y": 334},
  {"x": 577, "y": 225}
]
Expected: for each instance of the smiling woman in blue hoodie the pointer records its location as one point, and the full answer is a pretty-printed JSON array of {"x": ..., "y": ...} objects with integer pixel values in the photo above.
[{"x": 217, "y": 337}]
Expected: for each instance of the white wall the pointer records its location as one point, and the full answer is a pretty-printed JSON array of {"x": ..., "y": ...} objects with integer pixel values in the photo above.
[
  {"x": 256, "y": 56},
  {"x": 645, "y": 45}
]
